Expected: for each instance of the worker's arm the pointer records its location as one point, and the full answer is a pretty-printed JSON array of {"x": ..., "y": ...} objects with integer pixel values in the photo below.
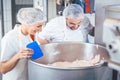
[
  {"x": 42, "y": 41},
  {"x": 87, "y": 26},
  {"x": 8, "y": 65}
]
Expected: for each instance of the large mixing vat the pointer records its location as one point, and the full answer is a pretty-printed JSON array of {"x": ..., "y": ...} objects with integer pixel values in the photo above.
[{"x": 53, "y": 52}]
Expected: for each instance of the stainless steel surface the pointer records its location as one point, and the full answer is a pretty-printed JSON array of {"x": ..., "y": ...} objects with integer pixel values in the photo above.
[
  {"x": 114, "y": 65},
  {"x": 99, "y": 18},
  {"x": 111, "y": 35},
  {"x": 112, "y": 11},
  {"x": 105, "y": 34},
  {"x": 113, "y": 48},
  {"x": 53, "y": 52}
]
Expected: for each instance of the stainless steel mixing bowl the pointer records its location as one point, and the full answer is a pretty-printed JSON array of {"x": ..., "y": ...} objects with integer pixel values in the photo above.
[{"x": 70, "y": 51}]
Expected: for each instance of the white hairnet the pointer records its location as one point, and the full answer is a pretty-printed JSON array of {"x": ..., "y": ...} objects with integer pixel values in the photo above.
[
  {"x": 73, "y": 10},
  {"x": 30, "y": 16}
]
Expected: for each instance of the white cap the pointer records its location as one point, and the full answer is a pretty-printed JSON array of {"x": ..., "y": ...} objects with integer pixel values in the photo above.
[
  {"x": 30, "y": 16},
  {"x": 73, "y": 10}
]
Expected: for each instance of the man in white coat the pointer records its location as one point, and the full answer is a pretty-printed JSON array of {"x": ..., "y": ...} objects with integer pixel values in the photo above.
[{"x": 72, "y": 26}]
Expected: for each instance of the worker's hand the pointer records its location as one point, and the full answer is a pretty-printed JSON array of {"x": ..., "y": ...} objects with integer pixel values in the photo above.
[{"x": 25, "y": 53}]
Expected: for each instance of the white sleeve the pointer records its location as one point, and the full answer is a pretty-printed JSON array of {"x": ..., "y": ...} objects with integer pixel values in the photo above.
[
  {"x": 86, "y": 25},
  {"x": 48, "y": 31},
  {"x": 7, "y": 48}
]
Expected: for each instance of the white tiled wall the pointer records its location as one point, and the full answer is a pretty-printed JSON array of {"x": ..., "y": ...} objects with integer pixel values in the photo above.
[
  {"x": 7, "y": 20},
  {"x": 0, "y": 43},
  {"x": 0, "y": 33},
  {"x": 23, "y": 1},
  {"x": 51, "y": 9},
  {"x": 7, "y": 15}
]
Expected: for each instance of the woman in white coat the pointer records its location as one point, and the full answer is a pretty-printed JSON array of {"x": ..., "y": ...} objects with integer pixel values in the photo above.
[
  {"x": 14, "y": 54},
  {"x": 72, "y": 26}
]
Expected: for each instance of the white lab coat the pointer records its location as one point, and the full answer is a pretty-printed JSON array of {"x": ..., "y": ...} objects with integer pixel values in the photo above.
[
  {"x": 11, "y": 43},
  {"x": 57, "y": 31}
]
